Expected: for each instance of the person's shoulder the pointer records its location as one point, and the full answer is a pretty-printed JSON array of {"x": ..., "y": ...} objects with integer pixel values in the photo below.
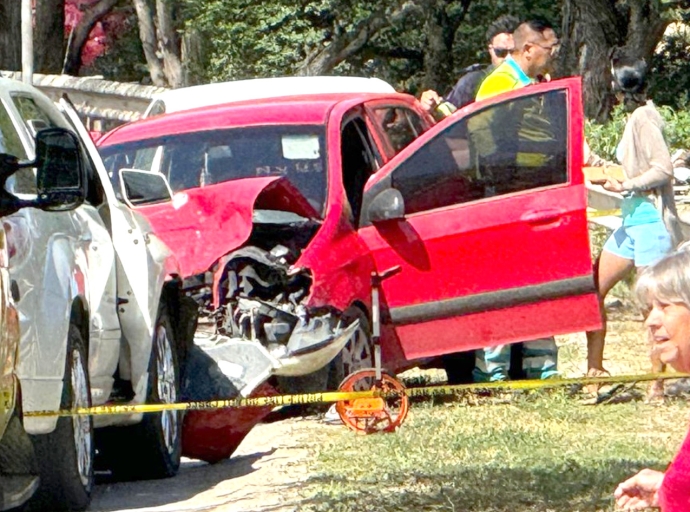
[
  {"x": 498, "y": 81},
  {"x": 647, "y": 113}
]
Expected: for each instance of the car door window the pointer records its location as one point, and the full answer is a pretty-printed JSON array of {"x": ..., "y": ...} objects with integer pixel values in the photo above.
[
  {"x": 10, "y": 141},
  {"x": 358, "y": 163},
  {"x": 33, "y": 115},
  {"x": 400, "y": 125},
  {"x": 506, "y": 148}
]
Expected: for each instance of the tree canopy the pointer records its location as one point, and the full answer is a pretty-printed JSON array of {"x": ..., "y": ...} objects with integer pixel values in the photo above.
[{"x": 413, "y": 44}]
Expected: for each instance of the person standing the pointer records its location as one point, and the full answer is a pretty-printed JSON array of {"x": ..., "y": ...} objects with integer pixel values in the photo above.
[
  {"x": 536, "y": 44},
  {"x": 650, "y": 222},
  {"x": 499, "y": 39}
]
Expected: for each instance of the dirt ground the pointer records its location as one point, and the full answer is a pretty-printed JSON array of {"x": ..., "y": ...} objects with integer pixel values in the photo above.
[
  {"x": 270, "y": 466},
  {"x": 263, "y": 475}
]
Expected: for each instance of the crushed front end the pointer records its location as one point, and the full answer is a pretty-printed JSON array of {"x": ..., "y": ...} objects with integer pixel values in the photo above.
[{"x": 255, "y": 322}]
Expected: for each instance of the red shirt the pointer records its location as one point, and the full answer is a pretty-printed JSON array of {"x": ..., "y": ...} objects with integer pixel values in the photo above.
[{"x": 674, "y": 494}]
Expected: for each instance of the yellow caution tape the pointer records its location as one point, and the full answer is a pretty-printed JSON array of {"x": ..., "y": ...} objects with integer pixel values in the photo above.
[
  {"x": 591, "y": 214},
  {"x": 338, "y": 396}
]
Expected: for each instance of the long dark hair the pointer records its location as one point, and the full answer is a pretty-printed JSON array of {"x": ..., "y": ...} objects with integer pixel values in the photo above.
[{"x": 630, "y": 78}]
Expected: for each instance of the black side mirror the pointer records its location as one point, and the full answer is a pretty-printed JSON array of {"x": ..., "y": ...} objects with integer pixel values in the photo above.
[
  {"x": 386, "y": 205},
  {"x": 60, "y": 173},
  {"x": 144, "y": 187}
]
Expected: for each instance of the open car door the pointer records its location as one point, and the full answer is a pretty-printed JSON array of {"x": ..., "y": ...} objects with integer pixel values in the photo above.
[{"x": 486, "y": 216}]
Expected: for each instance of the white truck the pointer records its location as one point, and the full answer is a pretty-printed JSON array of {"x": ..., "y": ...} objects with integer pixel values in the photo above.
[{"x": 102, "y": 318}]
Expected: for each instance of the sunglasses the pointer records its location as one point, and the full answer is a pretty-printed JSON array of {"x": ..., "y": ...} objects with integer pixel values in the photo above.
[
  {"x": 552, "y": 49},
  {"x": 501, "y": 53}
]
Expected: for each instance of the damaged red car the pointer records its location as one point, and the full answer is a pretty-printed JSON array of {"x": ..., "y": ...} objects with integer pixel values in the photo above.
[{"x": 280, "y": 210}]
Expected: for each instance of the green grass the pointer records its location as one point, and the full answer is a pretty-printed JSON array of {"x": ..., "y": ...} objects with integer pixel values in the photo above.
[{"x": 539, "y": 452}]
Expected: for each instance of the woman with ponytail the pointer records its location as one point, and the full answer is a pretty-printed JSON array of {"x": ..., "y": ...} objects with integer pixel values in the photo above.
[{"x": 650, "y": 223}]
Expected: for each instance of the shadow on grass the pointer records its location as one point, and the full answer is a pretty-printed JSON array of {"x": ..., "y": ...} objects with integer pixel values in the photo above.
[{"x": 569, "y": 486}]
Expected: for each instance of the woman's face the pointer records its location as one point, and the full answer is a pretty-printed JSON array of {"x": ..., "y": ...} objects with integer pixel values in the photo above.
[{"x": 669, "y": 325}]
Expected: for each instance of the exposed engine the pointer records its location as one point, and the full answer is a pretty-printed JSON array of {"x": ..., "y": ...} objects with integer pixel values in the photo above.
[{"x": 261, "y": 326}]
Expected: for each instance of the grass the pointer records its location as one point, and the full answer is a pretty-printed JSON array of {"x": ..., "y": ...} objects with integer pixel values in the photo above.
[{"x": 537, "y": 451}]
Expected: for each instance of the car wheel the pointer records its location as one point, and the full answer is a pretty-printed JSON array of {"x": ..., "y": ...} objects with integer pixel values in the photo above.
[
  {"x": 357, "y": 354},
  {"x": 66, "y": 455},
  {"x": 152, "y": 448}
]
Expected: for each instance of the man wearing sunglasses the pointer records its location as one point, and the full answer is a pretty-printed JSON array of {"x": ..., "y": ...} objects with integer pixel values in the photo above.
[
  {"x": 499, "y": 38},
  {"x": 536, "y": 45}
]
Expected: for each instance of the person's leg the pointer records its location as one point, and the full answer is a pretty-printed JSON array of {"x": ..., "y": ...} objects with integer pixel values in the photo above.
[
  {"x": 492, "y": 364},
  {"x": 614, "y": 263},
  {"x": 540, "y": 358}
]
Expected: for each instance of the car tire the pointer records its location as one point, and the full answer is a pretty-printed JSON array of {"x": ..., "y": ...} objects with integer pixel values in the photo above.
[
  {"x": 152, "y": 448},
  {"x": 66, "y": 455},
  {"x": 358, "y": 352}
]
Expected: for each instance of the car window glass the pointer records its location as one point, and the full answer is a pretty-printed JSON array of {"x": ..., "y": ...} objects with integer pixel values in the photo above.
[
  {"x": 33, "y": 115},
  {"x": 506, "y": 148},
  {"x": 400, "y": 125},
  {"x": 200, "y": 159},
  {"x": 358, "y": 163},
  {"x": 10, "y": 141},
  {"x": 11, "y": 144}
]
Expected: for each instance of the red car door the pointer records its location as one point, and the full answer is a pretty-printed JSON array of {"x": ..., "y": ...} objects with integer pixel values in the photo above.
[{"x": 486, "y": 216}]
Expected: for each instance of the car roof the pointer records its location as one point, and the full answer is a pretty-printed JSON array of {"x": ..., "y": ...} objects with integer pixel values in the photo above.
[
  {"x": 303, "y": 109},
  {"x": 187, "y": 98}
]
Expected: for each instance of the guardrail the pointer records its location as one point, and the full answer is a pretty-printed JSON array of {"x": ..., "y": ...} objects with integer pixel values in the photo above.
[{"x": 99, "y": 102}]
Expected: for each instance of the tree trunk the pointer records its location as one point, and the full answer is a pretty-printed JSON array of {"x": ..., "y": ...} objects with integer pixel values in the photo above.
[
  {"x": 346, "y": 44},
  {"x": 95, "y": 12},
  {"x": 147, "y": 34},
  {"x": 591, "y": 29},
  {"x": 49, "y": 36},
  {"x": 169, "y": 43},
  {"x": 10, "y": 35}
]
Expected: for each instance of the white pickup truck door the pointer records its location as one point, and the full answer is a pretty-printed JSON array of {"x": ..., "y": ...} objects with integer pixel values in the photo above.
[{"x": 137, "y": 296}]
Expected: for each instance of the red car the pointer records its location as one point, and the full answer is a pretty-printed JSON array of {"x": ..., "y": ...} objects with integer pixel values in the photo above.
[{"x": 284, "y": 207}]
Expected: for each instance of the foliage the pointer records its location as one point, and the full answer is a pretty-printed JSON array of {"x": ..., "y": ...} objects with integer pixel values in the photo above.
[
  {"x": 122, "y": 58},
  {"x": 247, "y": 39},
  {"x": 603, "y": 138},
  {"x": 670, "y": 68}
]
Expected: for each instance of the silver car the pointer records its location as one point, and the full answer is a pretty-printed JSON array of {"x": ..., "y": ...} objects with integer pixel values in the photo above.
[{"x": 102, "y": 318}]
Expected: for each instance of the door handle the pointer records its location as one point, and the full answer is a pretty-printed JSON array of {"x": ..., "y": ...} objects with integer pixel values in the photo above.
[{"x": 542, "y": 216}]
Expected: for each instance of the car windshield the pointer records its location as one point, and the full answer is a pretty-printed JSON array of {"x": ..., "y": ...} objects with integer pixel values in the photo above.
[{"x": 206, "y": 158}]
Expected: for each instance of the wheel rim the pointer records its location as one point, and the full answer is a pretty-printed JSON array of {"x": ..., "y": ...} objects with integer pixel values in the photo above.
[
  {"x": 167, "y": 391},
  {"x": 357, "y": 353},
  {"x": 83, "y": 428}
]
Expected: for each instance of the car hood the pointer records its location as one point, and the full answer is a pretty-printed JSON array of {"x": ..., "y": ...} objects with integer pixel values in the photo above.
[{"x": 201, "y": 225}]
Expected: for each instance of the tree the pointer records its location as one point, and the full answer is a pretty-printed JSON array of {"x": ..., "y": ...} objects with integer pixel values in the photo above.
[
  {"x": 592, "y": 28},
  {"x": 10, "y": 35},
  {"x": 49, "y": 36},
  {"x": 158, "y": 31},
  {"x": 91, "y": 15}
]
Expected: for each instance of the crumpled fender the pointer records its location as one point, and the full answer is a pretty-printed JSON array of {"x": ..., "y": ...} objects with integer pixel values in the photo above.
[
  {"x": 202, "y": 224},
  {"x": 214, "y": 435}
]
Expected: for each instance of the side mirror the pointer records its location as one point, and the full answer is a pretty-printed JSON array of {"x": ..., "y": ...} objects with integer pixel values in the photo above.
[
  {"x": 143, "y": 187},
  {"x": 386, "y": 205},
  {"x": 60, "y": 173}
]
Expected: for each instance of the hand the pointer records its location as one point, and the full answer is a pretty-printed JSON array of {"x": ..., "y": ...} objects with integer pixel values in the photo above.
[
  {"x": 429, "y": 100},
  {"x": 640, "y": 491},
  {"x": 613, "y": 185}
]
